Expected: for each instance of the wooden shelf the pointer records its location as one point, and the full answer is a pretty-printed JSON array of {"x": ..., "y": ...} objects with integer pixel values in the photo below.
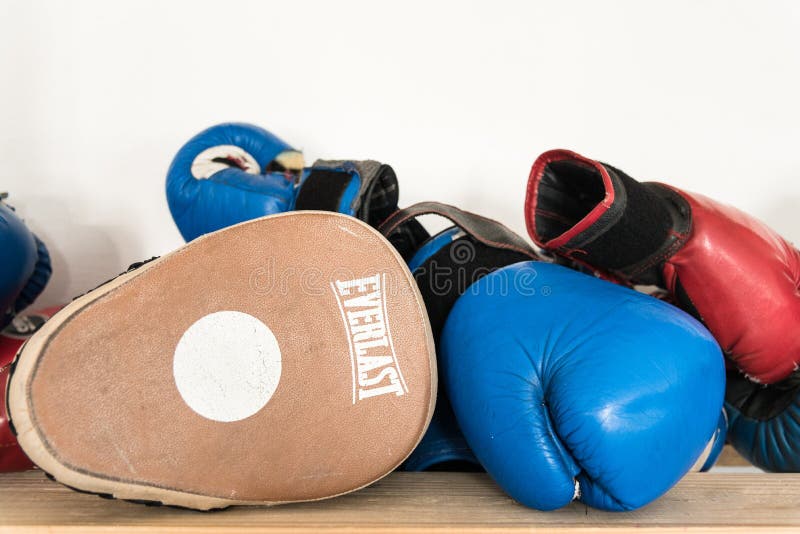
[
  {"x": 421, "y": 502},
  {"x": 731, "y": 458}
]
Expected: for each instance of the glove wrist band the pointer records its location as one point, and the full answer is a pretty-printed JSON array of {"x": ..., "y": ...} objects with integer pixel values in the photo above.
[
  {"x": 366, "y": 190},
  {"x": 600, "y": 217}
]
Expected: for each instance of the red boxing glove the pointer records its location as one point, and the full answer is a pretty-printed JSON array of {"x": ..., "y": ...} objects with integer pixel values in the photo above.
[
  {"x": 733, "y": 272},
  {"x": 11, "y": 339}
]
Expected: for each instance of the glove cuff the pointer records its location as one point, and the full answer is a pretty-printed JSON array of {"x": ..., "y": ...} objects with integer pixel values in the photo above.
[
  {"x": 598, "y": 216},
  {"x": 366, "y": 190}
]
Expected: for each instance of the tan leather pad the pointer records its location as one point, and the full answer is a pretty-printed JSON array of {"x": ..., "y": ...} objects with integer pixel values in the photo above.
[{"x": 103, "y": 396}]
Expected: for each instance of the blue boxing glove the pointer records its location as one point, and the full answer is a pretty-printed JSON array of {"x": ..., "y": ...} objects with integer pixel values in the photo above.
[
  {"x": 764, "y": 421},
  {"x": 233, "y": 172},
  {"x": 25, "y": 266},
  {"x": 444, "y": 266},
  {"x": 567, "y": 386}
]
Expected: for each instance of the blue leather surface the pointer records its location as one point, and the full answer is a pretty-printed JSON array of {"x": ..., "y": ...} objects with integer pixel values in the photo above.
[
  {"x": 232, "y": 195},
  {"x": 566, "y": 377},
  {"x": 18, "y": 250}
]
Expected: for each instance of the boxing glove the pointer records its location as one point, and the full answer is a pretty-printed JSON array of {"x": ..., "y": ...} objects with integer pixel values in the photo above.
[
  {"x": 234, "y": 172},
  {"x": 25, "y": 266},
  {"x": 728, "y": 269},
  {"x": 12, "y": 337},
  {"x": 444, "y": 266},
  {"x": 567, "y": 386},
  {"x": 717, "y": 262}
]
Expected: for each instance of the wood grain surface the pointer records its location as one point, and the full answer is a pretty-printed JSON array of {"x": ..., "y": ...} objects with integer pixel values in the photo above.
[{"x": 422, "y": 502}]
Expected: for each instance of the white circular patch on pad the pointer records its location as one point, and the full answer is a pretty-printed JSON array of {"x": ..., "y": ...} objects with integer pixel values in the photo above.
[{"x": 227, "y": 366}]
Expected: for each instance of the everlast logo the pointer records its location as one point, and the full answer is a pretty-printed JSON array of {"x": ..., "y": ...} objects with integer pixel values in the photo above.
[{"x": 375, "y": 368}]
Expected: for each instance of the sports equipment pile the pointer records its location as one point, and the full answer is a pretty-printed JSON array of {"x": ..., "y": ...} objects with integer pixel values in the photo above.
[{"x": 312, "y": 336}]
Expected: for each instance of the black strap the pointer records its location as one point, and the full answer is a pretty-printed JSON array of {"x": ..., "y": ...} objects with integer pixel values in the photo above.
[
  {"x": 484, "y": 230},
  {"x": 328, "y": 180}
]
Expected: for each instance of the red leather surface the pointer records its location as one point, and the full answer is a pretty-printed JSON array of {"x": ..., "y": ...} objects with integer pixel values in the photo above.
[
  {"x": 743, "y": 278},
  {"x": 11, "y": 456}
]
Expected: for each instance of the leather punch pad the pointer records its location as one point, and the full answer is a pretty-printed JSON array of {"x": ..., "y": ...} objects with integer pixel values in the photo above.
[{"x": 284, "y": 359}]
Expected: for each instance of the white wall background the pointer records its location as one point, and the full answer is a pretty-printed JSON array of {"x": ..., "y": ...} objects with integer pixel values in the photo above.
[{"x": 460, "y": 97}]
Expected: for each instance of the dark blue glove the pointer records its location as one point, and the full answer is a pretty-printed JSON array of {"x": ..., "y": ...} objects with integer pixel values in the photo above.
[
  {"x": 764, "y": 421},
  {"x": 25, "y": 266}
]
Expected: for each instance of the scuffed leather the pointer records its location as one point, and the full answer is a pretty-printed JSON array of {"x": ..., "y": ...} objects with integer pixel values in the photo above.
[
  {"x": 104, "y": 381},
  {"x": 743, "y": 279},
  {"x": 566, "y": 377}
]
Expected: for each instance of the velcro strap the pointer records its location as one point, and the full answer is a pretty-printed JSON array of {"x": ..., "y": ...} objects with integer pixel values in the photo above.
[
  {"x": 484, "y": 230},
  {"x": 366, "y": 190}
]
